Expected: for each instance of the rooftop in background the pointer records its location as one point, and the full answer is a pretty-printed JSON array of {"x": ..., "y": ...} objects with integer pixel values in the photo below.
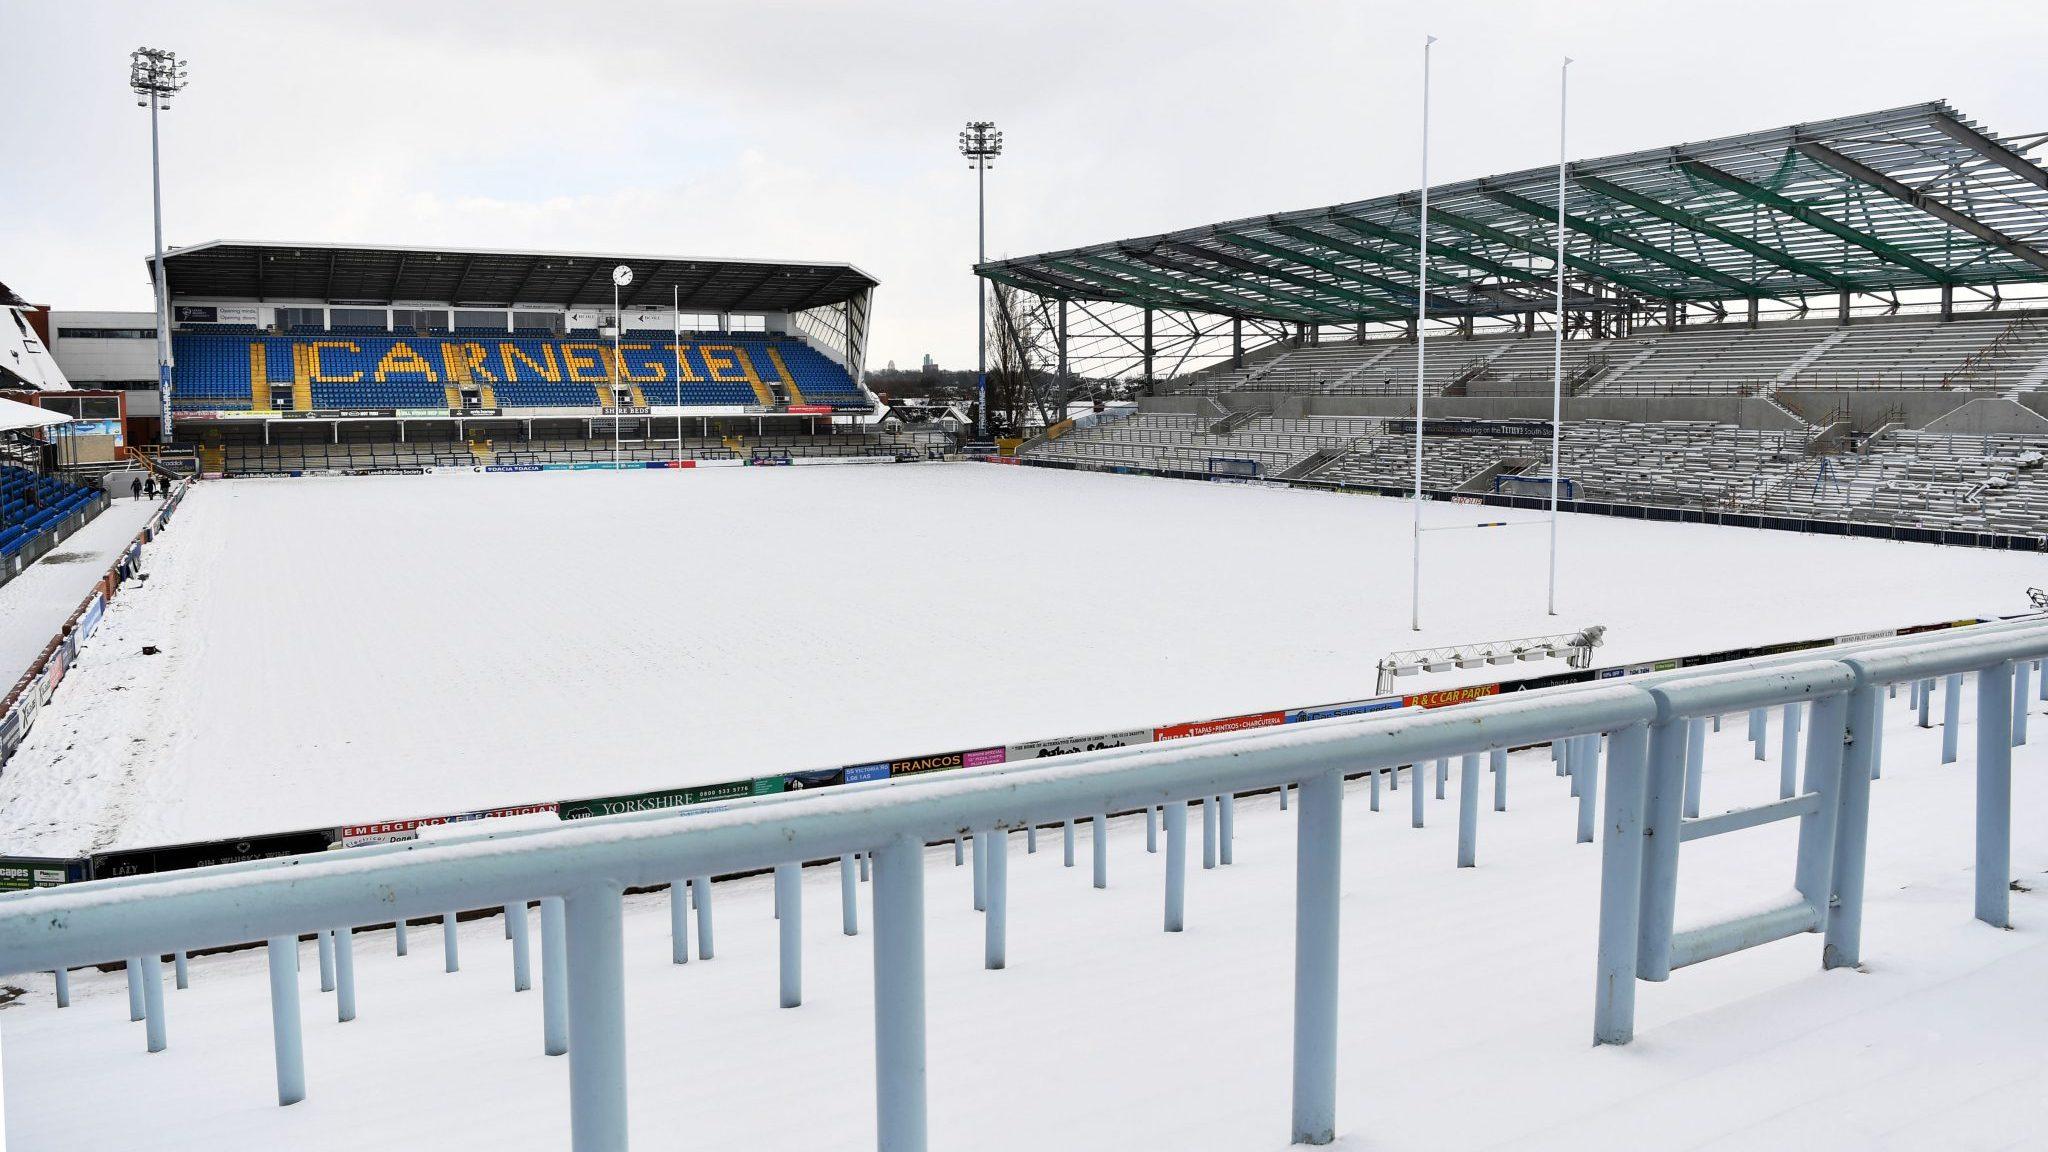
[
  {"x": 383, "y": 274},
  {"x": 1912, "y": 198}
]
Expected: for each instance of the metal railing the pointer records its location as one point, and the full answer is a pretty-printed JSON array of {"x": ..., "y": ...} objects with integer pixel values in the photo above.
[{"x": 580, "y": 872}]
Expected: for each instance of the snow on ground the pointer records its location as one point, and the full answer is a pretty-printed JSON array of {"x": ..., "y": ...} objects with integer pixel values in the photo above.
[
  {"x": 355, "y": 649},
  {"x": 35, "y": 604},
  {"x": 1466, "y": 1007}
]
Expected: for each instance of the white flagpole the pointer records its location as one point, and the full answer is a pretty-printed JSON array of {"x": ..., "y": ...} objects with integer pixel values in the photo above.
[
  {"x": 676, "y": 291},
  {"x": 1557, "y": 365},
  {"x": 1421, "y": 346}
]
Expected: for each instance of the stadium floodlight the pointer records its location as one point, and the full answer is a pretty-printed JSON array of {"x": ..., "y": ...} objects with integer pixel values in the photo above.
[
  {"x": 981, "y": 143},
  {"x": 622, "y": 275},
  {"x": 155, "y": 75}
]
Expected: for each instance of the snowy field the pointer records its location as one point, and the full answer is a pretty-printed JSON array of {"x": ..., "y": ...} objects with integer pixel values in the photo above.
[
  {"x": 1466, "y": 1007},
  {"x": 348, "y": 650}
]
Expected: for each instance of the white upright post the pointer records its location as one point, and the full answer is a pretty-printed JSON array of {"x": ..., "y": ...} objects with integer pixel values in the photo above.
[
  {"x": 617, "y": 320},
  {"x": 676, "y": 292},
  {"x": 1421, "y": 348},
  {"x": 1557, "y": 360}
]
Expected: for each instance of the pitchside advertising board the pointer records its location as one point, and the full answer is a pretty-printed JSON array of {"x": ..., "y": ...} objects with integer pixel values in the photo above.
[{"x": 22, "y": 872}]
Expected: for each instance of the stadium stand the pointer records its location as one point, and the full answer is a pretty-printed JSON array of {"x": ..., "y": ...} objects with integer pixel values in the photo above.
[
  {"x": 218, "y": 371},
  {"x": 30, "y": 503}
]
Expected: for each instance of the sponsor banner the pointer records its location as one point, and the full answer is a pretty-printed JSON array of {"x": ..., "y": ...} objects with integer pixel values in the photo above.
[
  {"x": 768, "y": 785},
  {"x": 914, "y": 765},
  {"x": 1068, "y": 745},
  {"x": 1873, "y": 634},
  {"x": 512, "y": 467},
  {"x": 1354, "y": 708},
  {"x": 814, "y": 778},
  {"x": 1610, "y": 673},
  {"x": 351, "y": 835},
  {"x": 473, "y": 412},
  {"x": 654, "y": 801},
  {"x": 176, "y": 857},
  {"x": 1447, "y": 696},
  {"x": 628, "y": 410},
  {"x": 1917, "y": 629},
  {"x": 861, "y": 773},
  {"x": 91, "y": 617},
  {"x": 1227, "y": 724},
  {"x": 1514, "y": 429},
  {"x": 18, "y": 873},
  {"x": 809, "y": 409},
  {"x": 982, "y": 757}
]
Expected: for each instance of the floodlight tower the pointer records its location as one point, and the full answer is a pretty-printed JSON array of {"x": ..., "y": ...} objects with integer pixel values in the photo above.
[
  {"x": 155, "y": 75},
  {"x": 981, "y": 143}
]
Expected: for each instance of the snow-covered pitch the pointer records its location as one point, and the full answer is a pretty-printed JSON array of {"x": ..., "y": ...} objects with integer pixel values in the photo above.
[{"x": 350, "y": 650}]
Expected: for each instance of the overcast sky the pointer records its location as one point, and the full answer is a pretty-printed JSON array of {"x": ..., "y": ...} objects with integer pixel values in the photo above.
[{"x": 813, "y": 129}]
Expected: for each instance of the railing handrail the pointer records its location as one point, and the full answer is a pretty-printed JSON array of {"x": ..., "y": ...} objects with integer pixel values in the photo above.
[{"x": 103, "y": 920}]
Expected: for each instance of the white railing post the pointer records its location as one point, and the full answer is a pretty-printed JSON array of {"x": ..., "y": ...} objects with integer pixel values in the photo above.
[
  {"x": 1468, "y": 810},
  {"x": 1443, "y": 774},
  {"x": 1695, "y": 764},
  {"x": 849, "y": 896},
  {"x": 597, "y": 1015},
  {"x": 451, "y": 951},
  {"x": 1374, "y": 793},
  {"x": 522, "y": 946},
  {"x": 133, "y": 968},
  {"x": 1318, "y": 864},
  {"x": 63, "y": 976},
  {"x": 1788, "y": 753},
  {"x": 1844, "y": 947},
  {"x": 1226, "y": 833},
  {"x": 398, "y": 935},
  {"x": 1621, "y": 881},
  {"x": 980, "y": 872},
  {"x": 2020, "y": 676},
  {"x": 700, "y": 895},
  {"x": 1067, "y": 831},
  {"x": 1414, "y": 794},
  {"x": 1997, "y": 690},
  {"x": 1152, "y": 827},
  {"x": 1208, "y": 832},
  {"x": 1099, "y": 828},
  {"x": 284, "y": 1019},
  {"x": 182, "y": 969},
  {"x": 1926, "y": 701},
  {"x": 1176, "y": 819},
  {"x": 995, "y": 926},
  {"x": 1951, "y": 715},
  {"x": 1663, "y": 802},
  {"x": 344, "y": 975},
  {"x": 554, "y": 977},
  {"x": 1826, "y": 746},
  {"x": 324, "y": 942},
  {"x": 1588, "y": 767},
  {"x": 678, "y": 922},
  {"x": 1498, "y": 761},
  {"x": 153, "y": 1001},
  {"x": 1759, "y": 730},
  {"x": 789, "y": 912},
  {"x": 899, "y": 997}
]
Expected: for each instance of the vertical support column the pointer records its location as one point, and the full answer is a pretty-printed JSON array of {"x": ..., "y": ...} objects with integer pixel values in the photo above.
[
  {"x": 1318, "y": 869},
  {"x": 1100, "y": 836},
  {"x": 1589, "y": 787},
  {"x": 1176, "y": 864},
  {"x": 1788, "y": 753},
  {"x": 345, "y": 973},
  {"x": 789, "y": 914},
  {"x": 1148, "y": 351},
  {"x": 1844, "y": 947},
  {"x": 324, "y": 940},
  {"x": 1468, "y": 810},
  {"x": 182, "y": 969},
  {"x": 1664, "y": 794},
  {"x": 522, "y": 946},
  {"x": 597, "y": 1015},
  {"x": 1067, "y": 830},
  {"x": 398, "y": 935},
  {"x": 1498, "y": 761},
  {"x": 1283, "y": 796},
  {"x": 153, "y": 1001},
  {"x": 899, "y": 997},
  {"x": 849, "y": 897},
  {"x": 1951, "y": 716},
  {"x": 133, "y": 968},
  {"x": 980, "y": 872},
  {"x": 63, "y": 976},
  {"x": 1759, "y": 730},
  {"x": 285, "y": 1035},
  {"x": 1443, "y": 774},
  {"x": 1227, "y": 827},
  {"x": 1030, "y": 848},
  {"x": 700, "y": 893},
  {"x": 554, "y": 976},
  {"x": 1208, "y": 832},
  {"x": 450, "y": 949},
  {"x": 1374, "y": 776},
  {"x": 1926, "y": 701},
  {"x": 1695, "y": 765},
  {"x": 1414, "y": 795},
  {"x": 1152, "y": 827},
  {"x": 2021, "y": 675},
  {"x": 678, "y": 922},
  {"x": 1621, "y": 881},
  {"x": 995, "y": 926},
  {"x": 1237, "y": 341},
  {"x": 1826, "y": 744},
  {"x": 1997, "y": 689}
]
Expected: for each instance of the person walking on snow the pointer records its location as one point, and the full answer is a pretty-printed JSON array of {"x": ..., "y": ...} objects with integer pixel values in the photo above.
[{"x": 135, "y": 488}]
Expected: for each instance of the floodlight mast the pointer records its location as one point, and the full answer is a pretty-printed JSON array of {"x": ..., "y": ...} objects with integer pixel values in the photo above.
[
  {"x": 981, "y": 143},
  {"x": 156, "y": 75}
]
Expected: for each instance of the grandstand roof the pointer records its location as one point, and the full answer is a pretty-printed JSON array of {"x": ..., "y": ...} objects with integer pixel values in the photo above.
[
  {"x": 383, "y": 274},
  {"x": 1911, "y": 198}
]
